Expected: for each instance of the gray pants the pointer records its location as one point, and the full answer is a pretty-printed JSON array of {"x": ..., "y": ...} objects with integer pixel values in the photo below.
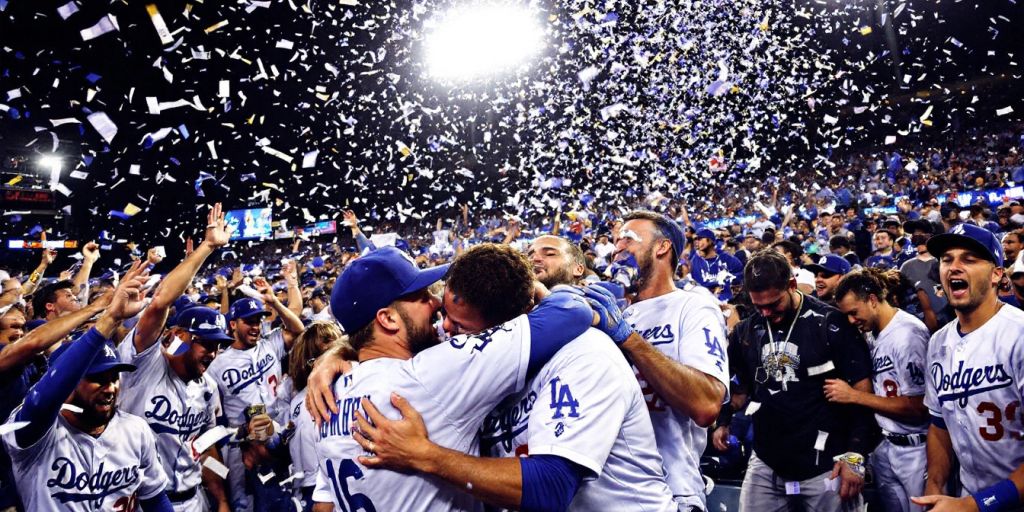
[
  {"x": 764, "y": 491},
  {"x": 900, "y": 473}
]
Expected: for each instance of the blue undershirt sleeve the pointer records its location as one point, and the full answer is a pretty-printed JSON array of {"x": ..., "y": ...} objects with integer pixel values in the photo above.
[
  {"x": 44, "y": 400},
  {"x": 549, "y": 482},
  {"x": 560, "y": 318},
  {"x": 158, "y": 503},
  {"x": 363, "y": 243}
]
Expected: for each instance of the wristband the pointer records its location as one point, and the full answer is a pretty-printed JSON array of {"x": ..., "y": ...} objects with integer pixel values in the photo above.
[
  {"x": 34, "y": 277},
  {"x": 1001, "y": 496}
]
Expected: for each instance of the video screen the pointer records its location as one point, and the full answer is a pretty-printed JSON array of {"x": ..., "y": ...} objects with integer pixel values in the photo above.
[{"x": 250, "y": 223}]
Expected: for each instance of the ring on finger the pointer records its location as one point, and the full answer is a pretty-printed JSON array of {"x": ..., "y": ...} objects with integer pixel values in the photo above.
[{"x": 372, "y": 447}]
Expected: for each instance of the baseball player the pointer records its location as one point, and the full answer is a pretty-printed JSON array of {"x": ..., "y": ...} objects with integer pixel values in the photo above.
[
  {"x": 678, "y": 352},
  {"x": 248, "y": 373},
  {"x": 583, "y": 406},
  {"x": 898, "y": 353},
  {"x": 170, "y": 390},
  {"x": 76, "y": 451},
  {"x": 975, "y": 382},
  {"x": 381, "y": 301}
]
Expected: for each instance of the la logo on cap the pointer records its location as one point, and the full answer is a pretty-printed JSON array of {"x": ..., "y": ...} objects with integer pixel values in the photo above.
[
  {"x": 109, "y": 352},
  {"x": 823, "y": 260},
  {"x": 958, "y": 229}
]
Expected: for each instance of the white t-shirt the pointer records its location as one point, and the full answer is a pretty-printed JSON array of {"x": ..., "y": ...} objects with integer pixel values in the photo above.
[
  {"x": 176, "y": 411},
  {"x": 585, "y": 405},
  {"x": 899, "y": 358},
  {"x": 247, "y": 377},
  {"x": 803, "y": 276},
  {"x": 975, "y": 383},
  {"x": 688, "y": 327},
  {"x": 69, "y": 470},
  {"x": 453, "y": 385}
]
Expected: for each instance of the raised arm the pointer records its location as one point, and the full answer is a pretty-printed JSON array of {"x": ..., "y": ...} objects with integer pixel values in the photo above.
[
  {"x": 90, "y": 253},
  {"x": 174, "y": 283},
  {"x": 37, "y": 275},
  {"x": 291, "y": 277},
  {"x": 44, "y": 400},
  {"x": 20, "y": 352},
  {"x": 292, "y": 323}
]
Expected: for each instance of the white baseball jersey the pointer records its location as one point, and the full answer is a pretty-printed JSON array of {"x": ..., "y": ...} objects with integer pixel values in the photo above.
[
  {"x": 975, "y": 384},
  {"x": 302, "y": 446},
  {"x": 69, "y": 470},
  {"x": 453, "y": 385},
  {"x": 585, "y": 405},
  {"x": 247, "y": 377},
  {"x": 688, "y": 327},
  {"x": 899, "y": 355},
  {"x": 177, "y": 411}
]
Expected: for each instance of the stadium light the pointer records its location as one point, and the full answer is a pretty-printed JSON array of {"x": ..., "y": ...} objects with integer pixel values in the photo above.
[
  {"x": 54, "y": 164},
  {"x": 479, "y": 40}
]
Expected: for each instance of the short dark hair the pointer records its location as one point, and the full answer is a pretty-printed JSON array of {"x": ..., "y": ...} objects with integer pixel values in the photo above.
[
  {"x": 659, "y": 226},
  {"x": 48, "y": 295},
  {"x": 495, "y": 279},
  {"x": 791, "y": 248},
  {"x": 839, "y": 241},
  {"x": 362, "y": 337},
  {"x": 767, "y": 270}
]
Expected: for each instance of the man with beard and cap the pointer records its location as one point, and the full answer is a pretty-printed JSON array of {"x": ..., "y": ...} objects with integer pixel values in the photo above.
[
  {"x": 714, "y": 270},
  {"x": 248, "y": 374},
  {"x": 382, "y": 301},
  {"x": 610, "y": 445},
  {"x": 71, "y": 447},
  {"x": 677, "y": 351},
  {"x": 975, "y": 381},
  {"x": 827, "y": 272},
  {"x": 556, "y": 260},
  {"x": 170, "y": 389}
]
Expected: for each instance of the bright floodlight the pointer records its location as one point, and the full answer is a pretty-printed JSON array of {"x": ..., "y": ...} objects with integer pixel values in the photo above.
[
  {"x": 479, "y": 40},
  {"x": 54, "y": 165}
]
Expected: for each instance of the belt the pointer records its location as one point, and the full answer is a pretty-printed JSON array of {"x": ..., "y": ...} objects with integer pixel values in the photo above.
[
  {"x": 906, "y": 439},
  {"x": 178, "y": 497}
]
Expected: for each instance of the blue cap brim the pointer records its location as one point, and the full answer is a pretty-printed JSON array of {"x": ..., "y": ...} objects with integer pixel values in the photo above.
[
  {"x": 103, "y": 367},
  {"x": 426, "y": 278},
  {"x": 250, "y": 315}
]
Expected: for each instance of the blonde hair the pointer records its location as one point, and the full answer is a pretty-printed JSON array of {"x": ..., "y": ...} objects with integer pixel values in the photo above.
[{"x": 307, "y": 348}]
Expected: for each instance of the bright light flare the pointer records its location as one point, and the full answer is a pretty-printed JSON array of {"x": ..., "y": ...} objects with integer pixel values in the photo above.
[
  {"x": 53, "y": 164},
  {"x": 475, "y": 41}
]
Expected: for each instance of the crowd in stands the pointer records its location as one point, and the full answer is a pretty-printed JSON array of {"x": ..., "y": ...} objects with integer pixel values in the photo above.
[{"x": 873, "y": 211}]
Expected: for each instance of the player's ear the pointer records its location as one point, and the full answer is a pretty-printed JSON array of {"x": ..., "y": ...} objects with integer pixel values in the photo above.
[{"x": 388, "y": 318}]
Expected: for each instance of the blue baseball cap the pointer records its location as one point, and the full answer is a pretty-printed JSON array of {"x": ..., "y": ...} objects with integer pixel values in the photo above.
[
  {"x": 106, "y": 359},
  {"x": 245, "y": 308},
  {"x": 706, "y": 233},
  {"x": 204, "y": 322},
  {"x": 373, "y": 281},
  {"x": 968, "y": 236},
  {"x": 831, "y": 264}
]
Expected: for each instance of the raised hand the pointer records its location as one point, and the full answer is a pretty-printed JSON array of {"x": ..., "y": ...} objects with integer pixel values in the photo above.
[
  {"x": 217, "y": 231},
  {"x": 91, "y": 252},
  {"x": 129, "y": 298},
  {"x": 154, "y": 256}
]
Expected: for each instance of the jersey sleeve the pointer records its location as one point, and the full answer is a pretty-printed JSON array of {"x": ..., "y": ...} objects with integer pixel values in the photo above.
[
  {"x": 153, "y": 479},
  {"x": 470, "y": 374},
  {"x": 27, "y": 454},
  {"x": 910, "y": 361},
  {"x": 322, "y": 491},
  {"x": 147, "y": 362},
  {"x": 276, "y": 338},
  {"x": 702, "y": 342},
  {"x": 579, "y": 411}
]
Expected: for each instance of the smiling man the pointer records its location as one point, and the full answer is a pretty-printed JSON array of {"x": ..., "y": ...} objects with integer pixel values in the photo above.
[
  {"x": 976, "y": 379},
  {"x": 556, "y": 261}
]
